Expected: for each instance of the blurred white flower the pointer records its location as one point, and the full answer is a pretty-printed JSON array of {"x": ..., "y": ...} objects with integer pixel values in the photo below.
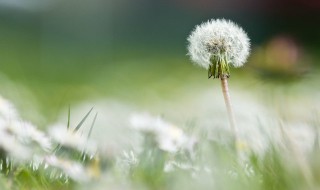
[
  {"x": 12, "y": 146},
  {"x": 218, "y": 38},
  {"x": 169, "y": 137},
  {"x": 20, "y": 141},
  {"x": 17, "y": 137},
  {"x": 28, "y": 133},
  {"x": 73, "y": 169},
  {"x": 69, "y": 138},
  {"x": 110, "y": 130}
]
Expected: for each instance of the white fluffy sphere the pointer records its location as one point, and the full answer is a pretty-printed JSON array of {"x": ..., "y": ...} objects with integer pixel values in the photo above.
[{"x": 217, "y": 37}]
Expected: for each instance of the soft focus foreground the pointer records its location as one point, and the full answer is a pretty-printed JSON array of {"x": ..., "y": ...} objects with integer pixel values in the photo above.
[{"x": 79, "y": 113}]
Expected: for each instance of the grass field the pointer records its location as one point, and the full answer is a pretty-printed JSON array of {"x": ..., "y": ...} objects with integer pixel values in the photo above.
[{"x": 157, "y": 122}]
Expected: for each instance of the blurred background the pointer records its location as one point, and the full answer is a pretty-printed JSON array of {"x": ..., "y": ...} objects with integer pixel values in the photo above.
[{"x": 55, "y": 53}]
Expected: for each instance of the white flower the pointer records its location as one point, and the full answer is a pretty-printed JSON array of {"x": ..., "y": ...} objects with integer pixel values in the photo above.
[
  {"x": 218, "y": 38},
  {"x": 23, "y": 133},
  {"x": 28, "y": 133},
  {"x": 169, "y": 137},
  {"x": 69, "y": 138},
  {"x": 13, "y": 147},
  {"x": 20, "y": 139},
  {"x": 73, "y": 169}
]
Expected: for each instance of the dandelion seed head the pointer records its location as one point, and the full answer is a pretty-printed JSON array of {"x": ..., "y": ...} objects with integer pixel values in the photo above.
[{"x": 218, "y": 37}]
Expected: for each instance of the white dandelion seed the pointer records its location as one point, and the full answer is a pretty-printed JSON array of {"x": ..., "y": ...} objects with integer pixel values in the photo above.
[{"x": 218, "y": 39}]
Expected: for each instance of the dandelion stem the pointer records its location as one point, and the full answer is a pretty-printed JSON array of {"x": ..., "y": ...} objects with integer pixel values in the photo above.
[{"x": 226, "y": 95}]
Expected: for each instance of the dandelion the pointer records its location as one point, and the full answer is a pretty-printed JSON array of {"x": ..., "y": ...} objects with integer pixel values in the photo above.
[{"x": 215, "y": 45}]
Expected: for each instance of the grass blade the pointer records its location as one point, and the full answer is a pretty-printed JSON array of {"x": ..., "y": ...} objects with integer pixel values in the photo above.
[
  {"x": 68, "y": 124},
  {"x": 82, "y": 121},
  {"x": 93, "y": 122}
]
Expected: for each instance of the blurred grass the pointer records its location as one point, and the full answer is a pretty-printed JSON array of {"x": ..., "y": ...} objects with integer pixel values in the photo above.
[{"x": 58, "y": 77}]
